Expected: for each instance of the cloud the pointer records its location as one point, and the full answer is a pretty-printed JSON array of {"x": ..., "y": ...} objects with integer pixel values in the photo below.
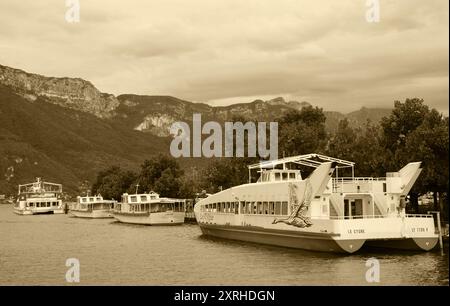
[{"x": 324, "y": 52}]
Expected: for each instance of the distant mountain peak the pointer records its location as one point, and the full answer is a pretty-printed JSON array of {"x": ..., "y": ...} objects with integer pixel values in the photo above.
[
  {"x": 291, "y": 104},
  {"x": 277, "y": 101}
]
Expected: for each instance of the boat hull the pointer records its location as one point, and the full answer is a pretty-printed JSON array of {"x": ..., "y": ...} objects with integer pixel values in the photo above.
[
  {"x": 94, "y": 214},
  {"x": 342, "y": 236},
  {"x": 292, "y": 239},
  {"x": 162, "y": 218},
  {"x": 38, "y": 211}
]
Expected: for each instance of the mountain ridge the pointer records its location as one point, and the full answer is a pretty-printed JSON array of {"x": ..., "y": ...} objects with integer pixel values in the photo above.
[{"x": 65, "y": 130}]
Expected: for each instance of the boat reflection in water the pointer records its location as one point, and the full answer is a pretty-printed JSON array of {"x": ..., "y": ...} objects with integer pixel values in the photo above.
[{"x": 319, "y": 212}]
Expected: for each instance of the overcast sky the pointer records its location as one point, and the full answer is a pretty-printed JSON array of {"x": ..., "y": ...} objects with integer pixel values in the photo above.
[{"x": 229, "y": 51}]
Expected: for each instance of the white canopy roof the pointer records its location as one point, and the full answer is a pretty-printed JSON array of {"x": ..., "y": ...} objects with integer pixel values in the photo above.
[{"x": 310, "y": 160}]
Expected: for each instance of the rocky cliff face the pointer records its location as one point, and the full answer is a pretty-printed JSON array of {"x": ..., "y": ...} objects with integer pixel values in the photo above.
[
  {"x": 73, "y": 93},
  {"x": 155, "y": 114},
  {"x": 157, "y": 124}
]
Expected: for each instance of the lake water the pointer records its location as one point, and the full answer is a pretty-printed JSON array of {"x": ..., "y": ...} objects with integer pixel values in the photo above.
[{"x": 34, "y": 250}]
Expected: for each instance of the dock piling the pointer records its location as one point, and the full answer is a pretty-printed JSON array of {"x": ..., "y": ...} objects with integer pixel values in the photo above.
[{"x": 438, "y": 216}]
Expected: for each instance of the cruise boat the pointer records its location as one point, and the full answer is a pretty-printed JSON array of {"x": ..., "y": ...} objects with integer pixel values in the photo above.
[
  {"x": 39, "y": 198},
  {"x": 149, "y": 209},
  {"x": 93, "y": 207},
  {"x": 318, "y": 213}
]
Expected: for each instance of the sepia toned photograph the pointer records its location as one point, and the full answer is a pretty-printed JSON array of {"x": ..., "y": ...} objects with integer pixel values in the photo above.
[{"x": 242, "y": 144}]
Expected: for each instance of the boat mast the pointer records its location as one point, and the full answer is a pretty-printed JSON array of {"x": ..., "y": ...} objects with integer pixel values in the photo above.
[{"x": 137, "y": 187}]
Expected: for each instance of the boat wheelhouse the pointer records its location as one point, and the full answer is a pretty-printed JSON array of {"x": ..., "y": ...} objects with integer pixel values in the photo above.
[
  {"x": 39, "y": 198},
  {"x": 149, "y": 209},
  {"x": 318, "y": 212},
  {"x": 93, "y": 207}
]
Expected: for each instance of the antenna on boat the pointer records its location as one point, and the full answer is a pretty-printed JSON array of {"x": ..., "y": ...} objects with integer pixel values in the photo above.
[{"x": 137, "y": 187}]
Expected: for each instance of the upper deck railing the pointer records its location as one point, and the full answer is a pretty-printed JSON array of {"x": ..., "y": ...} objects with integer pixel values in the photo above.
[
  {"x": 40, "y": 187},
  {"x": 355, "y": 184}
]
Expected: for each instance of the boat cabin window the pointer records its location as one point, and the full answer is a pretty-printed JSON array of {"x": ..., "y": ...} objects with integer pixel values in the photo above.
[
  {"x": 133, "y": 199},
  {"x": 181, "y": 206},
  {"x": 284, "y": 208},
  {"x": 99, "y": 199},
  {"x": 84, "y": 200},
  {"x": 277, "y": 208},
  {"x": 279, "y": 175},
  {"x": 259, "y": 208},
  {"x": 244, "y": 204},
  {"x": 271, "y": 208},
  {"x": 143, "y": 198},
  {"x": 265, "y": 208},
  {"x": 91, "y": 199}
]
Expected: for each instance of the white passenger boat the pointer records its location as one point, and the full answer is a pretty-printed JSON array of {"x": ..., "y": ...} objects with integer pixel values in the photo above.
[
  {"x": 92, "y": 207},
  {"x": 149, "y": 209},
  {"x": 318, "y": 213},
  {"x": 39, "y": 198}
]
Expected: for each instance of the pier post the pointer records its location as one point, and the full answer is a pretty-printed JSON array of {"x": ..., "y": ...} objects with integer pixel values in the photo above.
[{"x": 438, "y": 216}]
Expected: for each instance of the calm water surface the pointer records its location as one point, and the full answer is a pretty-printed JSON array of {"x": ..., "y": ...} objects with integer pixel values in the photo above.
[{"x": 34, "y": 249}]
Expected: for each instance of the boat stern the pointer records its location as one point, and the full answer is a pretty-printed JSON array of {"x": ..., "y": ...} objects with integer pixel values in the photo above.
[{"x": 408, "y": 232}]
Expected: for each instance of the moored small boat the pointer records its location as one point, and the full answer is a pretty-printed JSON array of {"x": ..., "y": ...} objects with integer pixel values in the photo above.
[
  {"x": 39, "y": 198},
  {"x": 94, "y": 207},
  {"x": 149, "y": 209}
]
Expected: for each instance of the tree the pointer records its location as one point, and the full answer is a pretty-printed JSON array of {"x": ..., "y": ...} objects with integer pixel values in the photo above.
[
  {"x": 161, "y": 174},
  {"x": 413, "y": 132},
  {"x": 113, "y": 182},
  {"x": 368, "y": 153},
  {"x": 429, "y": 143},
  {"x": 342, "y": 143},
  {"x": 226, "y": 173},
  {"x": 302, "y": 132},
  {"x": 404, "y": 119},
  {"x": 361, "y": 146}
]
